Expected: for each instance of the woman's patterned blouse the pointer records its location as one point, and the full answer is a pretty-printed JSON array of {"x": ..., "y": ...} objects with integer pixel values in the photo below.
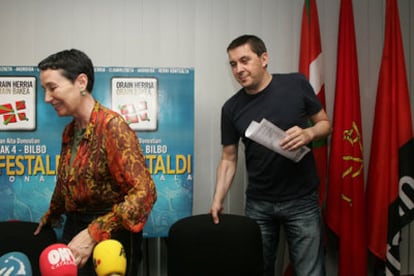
[{"x": 108, "y": 173}]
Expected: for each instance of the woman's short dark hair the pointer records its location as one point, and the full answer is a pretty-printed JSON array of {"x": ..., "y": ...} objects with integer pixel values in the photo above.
[
  {"x": 256, "y": 44},
  {"x": 72, "y": 63}
]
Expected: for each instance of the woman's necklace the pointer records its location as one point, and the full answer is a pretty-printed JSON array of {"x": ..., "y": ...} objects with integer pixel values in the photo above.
[{"x": 77, "y": 137}]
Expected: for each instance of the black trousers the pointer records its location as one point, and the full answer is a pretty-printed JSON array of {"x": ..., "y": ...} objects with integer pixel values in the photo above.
[{"x": 76, "y": 222}]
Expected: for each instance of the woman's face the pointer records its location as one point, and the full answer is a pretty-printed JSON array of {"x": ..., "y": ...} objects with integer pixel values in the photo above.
[{"x": 60, "y": 92}]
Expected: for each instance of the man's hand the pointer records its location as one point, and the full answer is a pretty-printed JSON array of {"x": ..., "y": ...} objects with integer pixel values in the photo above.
[
  {"x": 296, "y": 137},
  {"x": 215, "y": 209}
]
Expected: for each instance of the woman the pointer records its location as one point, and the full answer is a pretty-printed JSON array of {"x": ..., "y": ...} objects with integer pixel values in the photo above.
[{"x": 103, "y": 186}]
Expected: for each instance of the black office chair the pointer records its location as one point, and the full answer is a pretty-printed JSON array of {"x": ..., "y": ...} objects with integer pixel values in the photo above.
[
  {"x": 197, "y": 247},
  {"x": 18, "y": 236}
]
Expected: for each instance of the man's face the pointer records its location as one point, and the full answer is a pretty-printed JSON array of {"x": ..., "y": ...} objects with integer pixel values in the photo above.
[{"x": 248, "y": 68}]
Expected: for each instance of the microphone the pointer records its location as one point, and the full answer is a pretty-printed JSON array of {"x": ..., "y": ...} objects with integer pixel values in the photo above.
[
  {"x": 109, "y": 258},
  {"x": 57, "y": 259},
  {"x": 15, "y": 263}
]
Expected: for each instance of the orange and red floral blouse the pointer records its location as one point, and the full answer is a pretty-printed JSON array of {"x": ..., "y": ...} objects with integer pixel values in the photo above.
[{"x": 108, "y": 172}]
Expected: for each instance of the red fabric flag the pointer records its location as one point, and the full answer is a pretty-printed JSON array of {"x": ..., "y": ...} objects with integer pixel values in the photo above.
[
  {"x": 345, "y": 207},
  {"x": 390, "y": 185},
  {"x": 310, "y": 64}
]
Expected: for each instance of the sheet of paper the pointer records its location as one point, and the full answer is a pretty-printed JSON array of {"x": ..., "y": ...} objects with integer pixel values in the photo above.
[{"x": 269, "y": 135}]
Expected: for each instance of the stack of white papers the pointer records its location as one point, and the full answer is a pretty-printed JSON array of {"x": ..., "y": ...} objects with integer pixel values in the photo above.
[{"x": 269, "y": 135}]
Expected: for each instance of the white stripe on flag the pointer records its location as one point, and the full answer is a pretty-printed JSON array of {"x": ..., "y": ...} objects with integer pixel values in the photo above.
[{"x": 316, "y": 74}]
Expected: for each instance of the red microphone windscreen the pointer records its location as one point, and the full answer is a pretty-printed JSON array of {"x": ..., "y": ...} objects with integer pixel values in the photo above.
[{"x": 57, "y": 259}]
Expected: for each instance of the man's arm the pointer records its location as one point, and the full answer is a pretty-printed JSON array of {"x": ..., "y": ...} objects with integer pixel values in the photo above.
[
  {"x": 298, "y": 137},
  {"x": 225, "y": 174},
  {"x": 321, "y": 125}
]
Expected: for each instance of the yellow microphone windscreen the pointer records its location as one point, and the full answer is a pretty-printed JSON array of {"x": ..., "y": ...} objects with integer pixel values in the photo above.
[{"x": 109, "y": 258}]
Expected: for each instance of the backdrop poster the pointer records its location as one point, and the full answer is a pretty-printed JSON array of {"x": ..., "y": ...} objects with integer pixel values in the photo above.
[{"x": 158, "y": 103}]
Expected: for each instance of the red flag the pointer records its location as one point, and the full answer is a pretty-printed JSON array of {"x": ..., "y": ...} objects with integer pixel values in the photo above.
[
  {"x": 310, "y": 64},
  {"x": 345, "y": 207},
  {"x": 390, "y": 185}
]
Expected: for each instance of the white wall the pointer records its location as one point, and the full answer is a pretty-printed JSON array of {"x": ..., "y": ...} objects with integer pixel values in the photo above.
[{"x": 195, "y": 33}]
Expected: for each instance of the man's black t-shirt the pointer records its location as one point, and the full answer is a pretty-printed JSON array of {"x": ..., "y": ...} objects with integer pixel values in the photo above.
[{"x": 287, "y": 101}]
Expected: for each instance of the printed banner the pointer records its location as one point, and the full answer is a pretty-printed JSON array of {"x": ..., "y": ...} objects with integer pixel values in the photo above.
[
  {"x": 136, "y": 100},
  {"x": 17, "y": 104},
  {"x": 158, "y": 103}
]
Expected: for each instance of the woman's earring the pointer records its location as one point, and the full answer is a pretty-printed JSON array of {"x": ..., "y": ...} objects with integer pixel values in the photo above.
[{"x": 83, "y": 92}]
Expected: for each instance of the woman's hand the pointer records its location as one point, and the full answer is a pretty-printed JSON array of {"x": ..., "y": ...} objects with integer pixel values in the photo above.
[
  {"x": 82, "y": 246},
  {"x": 38, "y": 229}
]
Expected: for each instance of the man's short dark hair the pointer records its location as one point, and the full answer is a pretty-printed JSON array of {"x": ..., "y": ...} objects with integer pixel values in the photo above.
[{"x": 256, "y": 44}]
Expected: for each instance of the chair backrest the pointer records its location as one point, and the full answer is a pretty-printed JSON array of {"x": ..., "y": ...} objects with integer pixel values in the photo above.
[
  {"x": 196, "y": 246},
  {"x": 18, "y": 236}
]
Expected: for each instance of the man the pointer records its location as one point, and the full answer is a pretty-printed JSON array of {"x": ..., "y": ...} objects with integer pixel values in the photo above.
[{"x": 280, "y": 192}]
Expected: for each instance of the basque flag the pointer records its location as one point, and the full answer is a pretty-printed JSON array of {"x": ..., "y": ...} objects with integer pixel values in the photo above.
[{"x": 311, "y": 65}]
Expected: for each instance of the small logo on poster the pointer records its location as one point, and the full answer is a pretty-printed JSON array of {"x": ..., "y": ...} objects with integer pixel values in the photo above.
[
  {"x": 136, "y": 99},
  {"x": 17, "y": 103}
]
